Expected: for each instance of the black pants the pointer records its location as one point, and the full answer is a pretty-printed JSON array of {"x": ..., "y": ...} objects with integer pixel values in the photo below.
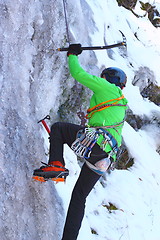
[{"x": 62, "y": 133}]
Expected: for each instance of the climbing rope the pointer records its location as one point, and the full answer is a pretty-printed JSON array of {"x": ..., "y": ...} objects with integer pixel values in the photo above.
[
  {"x": 66, "y": 21},
  {"x": 104, "y": 105}
]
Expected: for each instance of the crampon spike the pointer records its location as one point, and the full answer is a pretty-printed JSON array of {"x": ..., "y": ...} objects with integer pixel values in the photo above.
[{"x": 42, "y": 179}]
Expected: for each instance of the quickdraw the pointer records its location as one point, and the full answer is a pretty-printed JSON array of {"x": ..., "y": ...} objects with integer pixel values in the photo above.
[
  {"x": 108, "y": 139},
  {"x": 86, "y": 139}
]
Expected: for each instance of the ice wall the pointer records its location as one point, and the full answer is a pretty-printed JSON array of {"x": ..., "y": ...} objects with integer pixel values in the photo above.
[{"x": 30, "y": 85}]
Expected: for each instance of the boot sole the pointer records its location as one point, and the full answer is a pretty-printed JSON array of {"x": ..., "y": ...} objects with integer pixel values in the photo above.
[{"x": 51, "y": 174}]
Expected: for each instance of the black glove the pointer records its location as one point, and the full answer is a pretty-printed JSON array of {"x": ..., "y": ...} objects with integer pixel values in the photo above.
[{"x": 74, "y": 49}]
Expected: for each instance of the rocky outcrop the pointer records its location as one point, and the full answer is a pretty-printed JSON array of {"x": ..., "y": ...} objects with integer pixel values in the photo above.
[
  {"x": 153, "y": 13},
  {"x": 146, "y": 81},
  {"x": 151, "y": 10},
  {"x": 129, "y": 4}
]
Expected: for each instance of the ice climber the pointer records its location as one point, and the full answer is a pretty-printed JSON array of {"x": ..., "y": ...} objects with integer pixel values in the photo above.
[{"x": 97, "y": 143}]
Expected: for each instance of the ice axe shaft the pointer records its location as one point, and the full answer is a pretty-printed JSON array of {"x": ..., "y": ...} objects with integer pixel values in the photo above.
[
  {"x": 123, "y": 43},
  {"x": 96, "y": 47},
  {"x": 45, "y": 124}
]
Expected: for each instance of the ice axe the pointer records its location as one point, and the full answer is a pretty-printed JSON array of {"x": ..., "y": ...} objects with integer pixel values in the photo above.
[
  {"x": 45, "y": 124},
  {"x": 123, "y": 43}
]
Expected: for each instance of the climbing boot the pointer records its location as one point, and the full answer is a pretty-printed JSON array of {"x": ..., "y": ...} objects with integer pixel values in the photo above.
[{"x": 54, "y": 171}]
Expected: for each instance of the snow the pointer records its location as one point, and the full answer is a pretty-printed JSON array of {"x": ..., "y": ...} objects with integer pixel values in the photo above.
[{"x": 31, "y": 82}]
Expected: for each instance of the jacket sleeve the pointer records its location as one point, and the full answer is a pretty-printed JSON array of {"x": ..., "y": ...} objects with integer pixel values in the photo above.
[{"x": 92, "y": 82}]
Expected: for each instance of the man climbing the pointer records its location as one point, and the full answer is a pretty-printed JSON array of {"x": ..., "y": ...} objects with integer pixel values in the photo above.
[{"x": 97, "y": 143}]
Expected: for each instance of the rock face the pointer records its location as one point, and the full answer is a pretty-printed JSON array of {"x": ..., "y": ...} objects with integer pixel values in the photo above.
[
  {"x": 153, "y": 13},
  {"x": 144, "y": 78},
  {"x": 129, "y": 4}
]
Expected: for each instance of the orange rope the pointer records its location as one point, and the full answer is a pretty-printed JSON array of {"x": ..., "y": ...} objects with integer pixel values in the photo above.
[{"x": 93, "y": 109}]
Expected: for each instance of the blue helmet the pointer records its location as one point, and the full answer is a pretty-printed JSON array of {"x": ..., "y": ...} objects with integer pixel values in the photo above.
[{"x": 115, "y": 75}]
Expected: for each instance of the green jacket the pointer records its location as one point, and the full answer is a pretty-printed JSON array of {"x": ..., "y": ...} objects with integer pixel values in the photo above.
[{"x": 102, "y": 91}]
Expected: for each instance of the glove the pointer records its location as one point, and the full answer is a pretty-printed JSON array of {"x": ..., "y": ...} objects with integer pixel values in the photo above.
[{"x": 74, "y": 49}]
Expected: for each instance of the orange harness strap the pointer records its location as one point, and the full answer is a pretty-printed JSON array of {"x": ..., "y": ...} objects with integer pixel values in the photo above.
[{"x": 103, "y": 105}]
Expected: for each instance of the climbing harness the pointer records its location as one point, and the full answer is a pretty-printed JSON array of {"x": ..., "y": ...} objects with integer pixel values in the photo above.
[
  {"x": 114, "y": 126},
  {"x": 87, "y": 138}
]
